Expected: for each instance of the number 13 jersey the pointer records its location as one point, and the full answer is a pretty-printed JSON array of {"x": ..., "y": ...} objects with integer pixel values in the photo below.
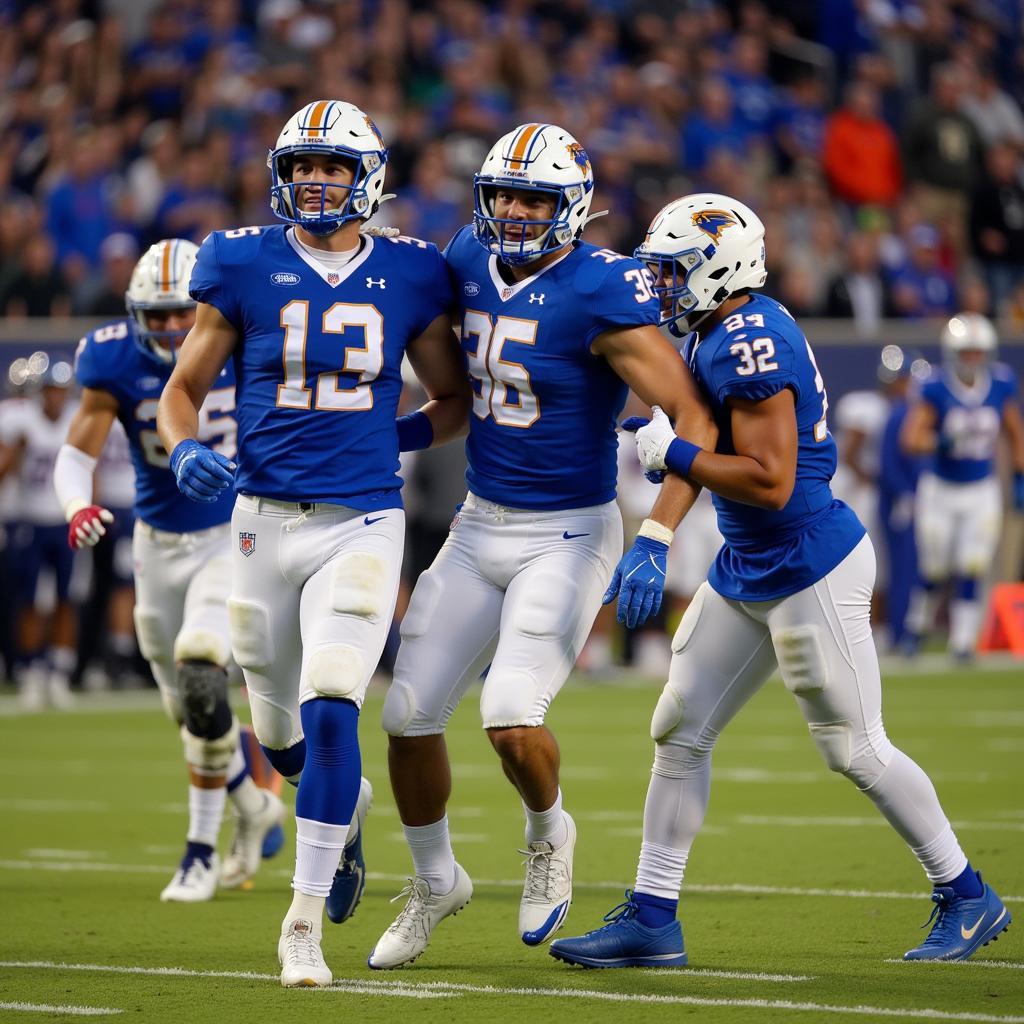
[
  {"x": 318, "y": 358},
  {"x": 542, "y": 430},
  {"x": 753, "y": 354}
]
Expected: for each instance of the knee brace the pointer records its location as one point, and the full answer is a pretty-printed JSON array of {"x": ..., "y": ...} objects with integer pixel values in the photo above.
[
  {"x": 204, "y": 697},
  {"x": 204, "y": 645},
  {"x": 337, "y": 670},
  {"x": 801, "y": 659},
  {"x": 251, "y": 640},
  {"x": 210, "y": 756},
  {"x": 399, "y": 708},
  {"x": 357, "y": 585}
]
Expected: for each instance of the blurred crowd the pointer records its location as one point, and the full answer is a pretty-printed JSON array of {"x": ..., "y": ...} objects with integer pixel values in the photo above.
[{"x": 881, "y": 141}]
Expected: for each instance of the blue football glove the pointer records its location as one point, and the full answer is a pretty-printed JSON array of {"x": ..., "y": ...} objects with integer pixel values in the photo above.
[
  {"x": 1018, "y": 491},
  {"x": 202, "y": 474},
  {"x": 639, "y": 581}
]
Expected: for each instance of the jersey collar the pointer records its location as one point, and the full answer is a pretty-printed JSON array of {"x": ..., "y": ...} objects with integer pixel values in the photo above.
[
  {"x": 970, "y": 394},
  {"x": 329, "y": 275},
  {"x": 510, "y": 291}
]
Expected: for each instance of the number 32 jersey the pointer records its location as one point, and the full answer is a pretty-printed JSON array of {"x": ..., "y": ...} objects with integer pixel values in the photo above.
[
  {"x": 768, "y": 554},
  {"x": 542, "y": 430},
  {"x": 108, "y": 359},
  {"x": 318, "y": 358}
]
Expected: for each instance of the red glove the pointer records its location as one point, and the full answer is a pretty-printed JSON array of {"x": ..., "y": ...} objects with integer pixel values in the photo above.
[{"x": 86, "y": 526}]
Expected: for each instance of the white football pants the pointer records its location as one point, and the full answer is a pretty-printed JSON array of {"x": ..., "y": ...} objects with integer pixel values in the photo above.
[
  {"x": 514, "y": 589},
  {"x": 820, "y": 640},
  {"x": 312, "y": 596},
  {"x": 957, "y": 527}
]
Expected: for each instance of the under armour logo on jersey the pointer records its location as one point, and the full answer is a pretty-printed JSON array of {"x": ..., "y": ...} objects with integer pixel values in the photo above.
[
  {"x": 370, "y": 283},
  {"x": 539, "y": 299},
  {"x": 247, "y": 543}
]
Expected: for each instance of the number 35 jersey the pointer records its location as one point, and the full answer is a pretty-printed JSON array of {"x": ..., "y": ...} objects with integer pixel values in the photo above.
[
  {"x": 108, "y": 359},
  {"x": 753, "y": 354},
  {"x": 542, "y": 430},
  {"x": 318, "y": 358}
]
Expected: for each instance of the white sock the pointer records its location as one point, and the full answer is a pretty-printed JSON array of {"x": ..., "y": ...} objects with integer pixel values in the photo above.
[
  {"x": 63, "y": 660},
  {"x": 248, "y": 798},
  {"x": 433, "y": 859},
  {"x": 942, "y": 858},
  {"x": 547, "y": 826},
  {"x": 660, "y": 871},
  {"x": 237, "y": 765},
  {"x": 318, "y": 847},
  {"x": 205, "y": 811},
  {"x": 308, "y": 908},
  {"x": 964, "y": 623}
]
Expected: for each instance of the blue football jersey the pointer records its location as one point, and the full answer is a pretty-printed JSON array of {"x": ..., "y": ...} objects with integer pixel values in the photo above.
[
  {"x": 318, "y": 359},
  {"x": 108, "y": 359},
  {"x": 769, "y": 553},
  {"x": 968, "y": 420},
  {"x": 542, "y": 431}
]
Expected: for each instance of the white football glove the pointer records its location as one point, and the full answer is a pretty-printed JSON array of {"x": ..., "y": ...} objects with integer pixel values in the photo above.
[{"x": 653, "y": 440}]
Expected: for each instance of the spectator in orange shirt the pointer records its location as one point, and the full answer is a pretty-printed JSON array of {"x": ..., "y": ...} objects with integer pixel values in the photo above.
[{"x": 861, "y": 157}]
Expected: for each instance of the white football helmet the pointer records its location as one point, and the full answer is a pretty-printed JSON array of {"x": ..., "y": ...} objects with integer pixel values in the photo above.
[
  {"x": 702, "y": 249},
  {"x": 329, "y": 126},
  {"x": 159, "y": 283},
  {"x": 966, "y": 333},
  {"x": 538, "y": 158}
]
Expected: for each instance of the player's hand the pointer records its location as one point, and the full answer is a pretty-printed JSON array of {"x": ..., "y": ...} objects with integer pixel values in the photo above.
[
  {"x": 202, "y": 474},
  {"x": 639, "y": 580},
  {"x": 1018, "y": 491},
  {"x": 86, "y": 526},
  {"x": 652, "y": 438},
  {"x": 633, "y": 424}
]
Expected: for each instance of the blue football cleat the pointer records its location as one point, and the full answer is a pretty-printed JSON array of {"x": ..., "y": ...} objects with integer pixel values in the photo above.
[
  {"x": 272, "y": 842},
  {"x": 624, "y": 942},
  {"x": 962, "y": 926},
  {"x": 350, "y": 878}
]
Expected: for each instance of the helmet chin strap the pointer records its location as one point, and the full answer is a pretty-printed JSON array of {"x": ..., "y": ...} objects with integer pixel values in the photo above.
[{"x": 594, "y": 216}]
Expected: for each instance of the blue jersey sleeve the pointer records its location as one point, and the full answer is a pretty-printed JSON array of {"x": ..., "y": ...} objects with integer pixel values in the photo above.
[
  {"x": 755, "y": 364},
  {"x": 208, "y": 283},
  {"x": 931, "y": 392},
  {"x": 1005, "y": 380},
  {"x": 620, "y": 294}
]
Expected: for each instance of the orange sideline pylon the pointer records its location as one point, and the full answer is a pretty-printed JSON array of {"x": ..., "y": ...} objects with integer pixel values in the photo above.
[{"x": 1004, "y": 622}]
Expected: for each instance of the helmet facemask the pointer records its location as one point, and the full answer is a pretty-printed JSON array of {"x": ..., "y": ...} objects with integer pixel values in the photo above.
[{"x": 163, "y": 345}]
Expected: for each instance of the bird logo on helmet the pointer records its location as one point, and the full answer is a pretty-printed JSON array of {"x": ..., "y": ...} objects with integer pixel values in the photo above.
[
  {"x": 333, "y": 128},
  {"x": 713, "y": 222}
]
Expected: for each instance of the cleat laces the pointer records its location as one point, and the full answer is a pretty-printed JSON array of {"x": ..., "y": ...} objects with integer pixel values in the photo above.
[
  {"x": 943, "y": 932},
  {"x": 301, "y": 949},
  {"x": 412, "y": 921},
  {"x": 544, "y": 874}
]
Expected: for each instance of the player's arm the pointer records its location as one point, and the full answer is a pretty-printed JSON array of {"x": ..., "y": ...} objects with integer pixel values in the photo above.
[
  {"x": 76, "y": 463},
  {"x": 643, "y": 358},
  {"x": 201, "y": 473},
  {"x": 437, "y": 361},
  {"x": 919, "y": 434}
]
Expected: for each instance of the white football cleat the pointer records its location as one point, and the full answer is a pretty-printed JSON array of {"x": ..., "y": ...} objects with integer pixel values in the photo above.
[
  {"x": 246, "y": 851},
  {"x": 302, "y": 962},
  {"x": 58, "y": 689},
  {"x": 409, "y": 935},
  {"x": 193, "y": 882},
  {"x": 547, "y": 891}
]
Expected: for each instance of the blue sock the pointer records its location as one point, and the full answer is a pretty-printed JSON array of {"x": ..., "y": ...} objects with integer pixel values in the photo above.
[
  {"x": 966, "y": 588},
  {"x": 329, "y": 786},
  {"x": 288, "y": 762},
  {"x": 655, "y": 911},
  {"x": 967, "y": 885}
]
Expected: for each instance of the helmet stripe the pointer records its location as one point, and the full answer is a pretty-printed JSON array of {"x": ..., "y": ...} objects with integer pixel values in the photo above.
[
  {"x": 165, "y": 269},
  {"x": 519, "y": 147},
  {"x": 315, "y": 121}
]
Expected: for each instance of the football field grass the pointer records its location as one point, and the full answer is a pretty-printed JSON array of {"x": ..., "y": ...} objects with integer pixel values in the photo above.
[{"x": 799, "y": 899}]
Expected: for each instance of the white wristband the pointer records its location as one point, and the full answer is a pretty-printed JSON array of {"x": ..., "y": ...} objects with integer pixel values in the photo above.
[
  {"x": 72, "y": 479},
  {"x": 656, "y": 531}
]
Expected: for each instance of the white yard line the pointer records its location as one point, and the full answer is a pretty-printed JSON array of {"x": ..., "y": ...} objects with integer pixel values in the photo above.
[
  {"x": 1006, "y": 965},
  {"x": 499, "y": 883},
  {"x": 386, "y": 987},
  {"x": 74, "y": 1011}
]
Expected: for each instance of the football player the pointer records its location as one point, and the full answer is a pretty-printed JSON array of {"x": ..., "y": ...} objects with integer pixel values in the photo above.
[
  {"x": 554, "y": 330},
  {"x": 789, "y": 590},
  {"x": 316, "y": 318},
  {"x": 958, "y": 416},
  {"x": 32, "y": 436},
  {"x": 180, "y": 556}
]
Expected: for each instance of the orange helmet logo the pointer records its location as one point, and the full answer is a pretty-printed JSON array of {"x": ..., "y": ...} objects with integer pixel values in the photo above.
[{"x": 579, "y": 157}]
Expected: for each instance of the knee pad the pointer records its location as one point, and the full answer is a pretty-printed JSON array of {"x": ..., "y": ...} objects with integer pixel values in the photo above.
[
  {"x": 275, "y": 727},
  {"x": 426, "y": 597},
  {"x": 201, "y": 645},
  {"x": 251, "y": 640},
  {"x": 801, "y": 659},
  {"x": 204, "y": 697},
  {"x": 210, "y": 756},
  {"x": 154, "y": 643},
  {"x": 668, "y": 713},
  {"x": 510, "y": 699},
  {"x": 358, "y": 583},
  {"x": 337, "y": 670},
  {"x": 399, "y": 708}
]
